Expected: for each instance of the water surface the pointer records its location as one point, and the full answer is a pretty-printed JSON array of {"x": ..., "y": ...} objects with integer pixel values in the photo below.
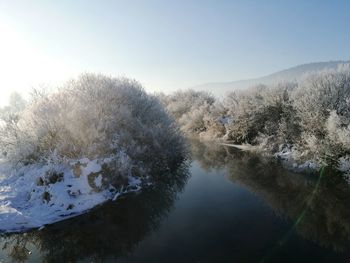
[{"x": 223, "y": 206}]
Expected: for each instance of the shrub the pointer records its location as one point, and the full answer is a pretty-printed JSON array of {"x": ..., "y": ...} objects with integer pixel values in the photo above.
[
  {"x": 94, "y": 116},
  {"x": 260, "y": 113},
  {"x": 319, "y": 94},
  {"x": 195, "y": 111},
  {"x": 322, "y": 103}
]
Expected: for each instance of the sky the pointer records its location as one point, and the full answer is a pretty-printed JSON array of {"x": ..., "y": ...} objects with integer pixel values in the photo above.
[{"x": 165, "y": 45}]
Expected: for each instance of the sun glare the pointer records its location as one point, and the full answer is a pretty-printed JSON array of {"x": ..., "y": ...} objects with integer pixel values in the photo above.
[{"x": 23, "y": 66}]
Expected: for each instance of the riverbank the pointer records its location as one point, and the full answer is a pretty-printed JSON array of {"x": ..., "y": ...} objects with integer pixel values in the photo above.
[
  {"x": 36, "y": 195},
  {"x": 287, "y": 160}
]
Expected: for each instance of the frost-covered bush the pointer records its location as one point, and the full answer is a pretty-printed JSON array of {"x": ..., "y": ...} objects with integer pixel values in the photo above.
[
  {"x": 260, "y": 114},
  {"x": 196, "y": 112},
  {"x": 338, "y": 130},
  {"x": 322, "y": 103},
  {"x": 319, "y": 94},
  {"x": 10, "y": 113},
  {"x": 215, "y": 120},
  {"x": 245, "y": 107},
  {"x": 94, "y": 116},
  {"x": 182, "y": 102}
]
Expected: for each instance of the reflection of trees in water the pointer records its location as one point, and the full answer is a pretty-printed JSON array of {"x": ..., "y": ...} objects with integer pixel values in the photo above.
[
  {"x": 210, "y": 155},
  {"x": 323, "y": 216},
  {"x": 110, "y": 231}
]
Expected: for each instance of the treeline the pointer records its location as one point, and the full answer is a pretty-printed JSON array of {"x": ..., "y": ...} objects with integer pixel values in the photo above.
[
  {"x": 304, "y": 121},
  {"x": 309, "y": 120}
]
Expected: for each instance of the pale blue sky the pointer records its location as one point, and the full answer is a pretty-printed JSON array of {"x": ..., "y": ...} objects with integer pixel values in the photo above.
[{"x": 166, "y": 44}]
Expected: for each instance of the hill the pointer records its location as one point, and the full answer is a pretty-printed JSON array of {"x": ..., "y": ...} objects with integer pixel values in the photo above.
[{"x": 291, "y": 74}]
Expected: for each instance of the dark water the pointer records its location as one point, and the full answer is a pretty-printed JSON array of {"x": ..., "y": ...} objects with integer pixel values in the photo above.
[{"x": 224, "y": 206}]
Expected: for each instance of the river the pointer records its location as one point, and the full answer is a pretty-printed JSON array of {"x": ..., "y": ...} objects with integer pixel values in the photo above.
[{"x": 224, "y": 205}]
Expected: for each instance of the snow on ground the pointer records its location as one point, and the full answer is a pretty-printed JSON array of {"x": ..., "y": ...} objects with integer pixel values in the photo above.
[
  {"x": 243, "y": 147},
  {"x": 344, "y": 165},
  {"x": 288, "y": 161},
  {"x": 33, "y": 196},
  {"x": 286, "y": 156}
]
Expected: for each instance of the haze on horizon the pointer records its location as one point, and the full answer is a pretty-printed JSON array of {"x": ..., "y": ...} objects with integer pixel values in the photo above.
[{"x": 165, "y": 45}]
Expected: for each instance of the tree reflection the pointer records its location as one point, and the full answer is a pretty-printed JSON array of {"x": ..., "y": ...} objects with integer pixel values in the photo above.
[
  {"x": 110, "y": 231},
  {"x": 318, "y": 209},
  {"x": 211, "y": 155}
]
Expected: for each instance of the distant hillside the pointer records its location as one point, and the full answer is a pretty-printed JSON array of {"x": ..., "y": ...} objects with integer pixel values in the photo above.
[{"x": 291, "y": 74}]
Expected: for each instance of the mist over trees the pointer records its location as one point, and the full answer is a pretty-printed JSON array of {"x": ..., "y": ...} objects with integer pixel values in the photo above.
[{"x": 310, "y": 119}]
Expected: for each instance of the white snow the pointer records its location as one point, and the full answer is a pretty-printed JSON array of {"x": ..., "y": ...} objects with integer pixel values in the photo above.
[
  {"x": 98, "y": 181},
  {"x": 286, "y": 156},
  {"x": 344, "y": 165},
  {"x": 22, "y": 202}
]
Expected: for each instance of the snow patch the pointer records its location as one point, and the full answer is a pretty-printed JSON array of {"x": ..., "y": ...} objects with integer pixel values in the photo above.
[
  {"x": 344, "y": 165},
  {"x": 286, "y": 156},
  {"x": 28, "y": 201},
  {"x": 98, "y": 181}
]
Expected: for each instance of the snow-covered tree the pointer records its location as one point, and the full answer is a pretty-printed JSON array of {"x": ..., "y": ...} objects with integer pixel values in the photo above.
[
  {"x": 94, "y": 116},
  {"x": 319, "y": 94},
  {"x": 195, "y": 111}
]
